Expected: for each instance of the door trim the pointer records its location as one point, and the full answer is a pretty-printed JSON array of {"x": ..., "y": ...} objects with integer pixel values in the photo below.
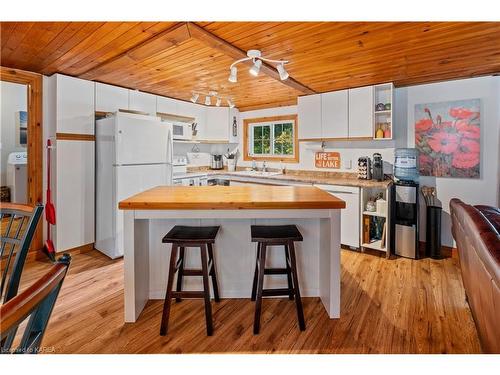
[{"x": 33, "y": 81}]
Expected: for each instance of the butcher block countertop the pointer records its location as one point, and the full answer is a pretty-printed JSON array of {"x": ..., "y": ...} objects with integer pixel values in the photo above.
[{"x": 232, "y": 198}]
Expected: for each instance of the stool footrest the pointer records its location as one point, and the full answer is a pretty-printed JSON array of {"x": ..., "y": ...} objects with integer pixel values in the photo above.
[
  {"x": 188, "y": 294},
  {"x": 275, "y": 271},
  {"x": 192, "y": 272},
  {"x": 277, "y": 292}
]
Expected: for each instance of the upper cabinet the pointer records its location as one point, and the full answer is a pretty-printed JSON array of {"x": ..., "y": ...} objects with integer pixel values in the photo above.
[
  {"x": 334, "y": 114},
  {"x": 142, "y": 101},
  {"x": 309, "y": 116},
  {"x": 166, "y": 105},
  {"x": 361, "y": 112},
  {"x": 109, "y": 98},
  {"x": 217, "y": 124},
  {"x": 74, "y": 104}
]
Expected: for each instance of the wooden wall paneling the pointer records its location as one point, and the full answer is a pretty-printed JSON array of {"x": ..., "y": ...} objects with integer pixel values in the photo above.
[{"x": 33, "y": 82}]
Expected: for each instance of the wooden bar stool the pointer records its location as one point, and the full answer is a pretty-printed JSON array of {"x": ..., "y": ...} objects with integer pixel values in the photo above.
[
  {"x": 272, "y": 235},
  {"x": 181, "y": 237}
]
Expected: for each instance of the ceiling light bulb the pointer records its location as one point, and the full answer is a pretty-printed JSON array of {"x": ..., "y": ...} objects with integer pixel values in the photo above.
[
  {"x": 195, "y": 97},
  {"x": 282, "y": 71},
  {"x": 254, "y": 70},
  {"x": 233, "y": 76},
  {"x": 230, "y": 103},
  {"x": 218, "y": 102},
  {"x": 207, "y": 100}
]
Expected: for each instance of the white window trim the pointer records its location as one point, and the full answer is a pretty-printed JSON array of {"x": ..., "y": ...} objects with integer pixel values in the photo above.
[{"x": 271, "y": 125}]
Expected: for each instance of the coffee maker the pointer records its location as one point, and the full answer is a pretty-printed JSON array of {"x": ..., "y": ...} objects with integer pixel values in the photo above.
[{"x": 378, "y": 167}]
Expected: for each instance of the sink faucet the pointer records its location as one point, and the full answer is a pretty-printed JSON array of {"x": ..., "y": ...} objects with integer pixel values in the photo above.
[
  {"x": 264, "y": 166},
  {"x": 254, "y": 165}
]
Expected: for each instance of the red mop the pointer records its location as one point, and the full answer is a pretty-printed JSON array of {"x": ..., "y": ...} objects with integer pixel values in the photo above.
[{"x": 50, "y": 212}]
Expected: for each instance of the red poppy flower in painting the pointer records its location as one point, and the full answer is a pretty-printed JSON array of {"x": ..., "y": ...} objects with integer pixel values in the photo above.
[
  {"x": 423, "y": 125},
  {"x": 461, "y": 113},
  {"x": 468, "y": 131},
  {"x": 446, "y": 143},
  {"x": 467, "y": 154}
]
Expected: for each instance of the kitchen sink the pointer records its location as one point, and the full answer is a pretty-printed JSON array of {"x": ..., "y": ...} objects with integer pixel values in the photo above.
[{"x": 256, "y": 173}]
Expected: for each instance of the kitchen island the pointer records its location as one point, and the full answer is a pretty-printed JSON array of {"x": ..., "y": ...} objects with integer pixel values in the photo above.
[{"x": 149, "y": 215}]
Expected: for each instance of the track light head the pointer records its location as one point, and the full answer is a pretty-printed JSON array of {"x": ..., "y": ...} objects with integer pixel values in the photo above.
[
  {"x": 230, "y": 103},
  {"x": 207, "y": 100},
  {"x": 195, "y": 97},
  {"x": 233, "y": 76},
  {"x": 282, "y": 72},
  {"x": 218, "y": 102},
  {"x": 254, "y": 70}
]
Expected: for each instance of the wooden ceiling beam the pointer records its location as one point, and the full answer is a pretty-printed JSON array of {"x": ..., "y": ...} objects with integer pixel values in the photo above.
[
  {"x": 219, "y": 44},
  {"x": 156, "y": 44}
]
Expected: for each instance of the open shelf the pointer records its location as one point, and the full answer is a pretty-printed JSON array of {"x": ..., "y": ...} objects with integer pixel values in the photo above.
[
  {"x": 372, "y": 213},
  {"x": 382, "y": 120},
  {"x": 375, "y": 245}
]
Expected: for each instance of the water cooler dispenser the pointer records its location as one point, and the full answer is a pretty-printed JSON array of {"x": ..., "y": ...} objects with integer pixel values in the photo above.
[
  {"x": 404, "y": 204},
  {"x": 405, "y": 219}
]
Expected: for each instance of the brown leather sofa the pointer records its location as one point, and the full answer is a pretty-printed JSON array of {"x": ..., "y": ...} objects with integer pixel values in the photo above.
[{"x": 476, "y": 230}]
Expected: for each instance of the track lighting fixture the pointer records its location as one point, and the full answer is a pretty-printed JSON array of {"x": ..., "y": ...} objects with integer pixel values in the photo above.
[
  {"x": 195, "y": 97},
  {"x": 208, "y": 98},
  {"x": 255, "y": 56},
  {"x": 282, "y": 71},
  {"x": 233, "y": 76}
]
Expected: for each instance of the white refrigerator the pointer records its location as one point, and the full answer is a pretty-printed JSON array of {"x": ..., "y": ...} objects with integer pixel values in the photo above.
[{"x": 133, "y": 153}]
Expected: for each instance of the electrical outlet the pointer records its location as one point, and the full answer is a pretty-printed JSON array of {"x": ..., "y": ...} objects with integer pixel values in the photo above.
[{"x": 347, "y": 164}]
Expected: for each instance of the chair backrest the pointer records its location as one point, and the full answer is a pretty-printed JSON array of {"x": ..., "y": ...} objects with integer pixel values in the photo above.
[
  {"x": 37, "y": 302},
  {"x": 18, "y": 226}
]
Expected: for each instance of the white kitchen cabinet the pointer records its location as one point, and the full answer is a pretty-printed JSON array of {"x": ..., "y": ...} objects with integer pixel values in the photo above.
[
  {"x": 142, "y": 101},
  {"x": 72, "y": 100},
  {"x": 199, "y": 112},
  {"x": 166, "y": 105},
  {"x": 334, "y": 114},
  {"x": 109, "y": 98},
  {"x": 217, "y": 124},
  {"x": 350, "y": 215},
  {"x": 74, "y": 194},
  {"x": 309, "y": 116},
  {"x": 361, "y": 112}
]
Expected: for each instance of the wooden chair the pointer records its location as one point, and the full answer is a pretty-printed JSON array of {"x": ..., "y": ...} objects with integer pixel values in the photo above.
[
  {"x": 272, "y": 235},
  {"x": 37, "y": 302},
  {"x": 18, "y": 226}
]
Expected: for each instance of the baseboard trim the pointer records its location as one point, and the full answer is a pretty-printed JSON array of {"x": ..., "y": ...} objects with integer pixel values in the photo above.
[{"x": 40, "y": 255}]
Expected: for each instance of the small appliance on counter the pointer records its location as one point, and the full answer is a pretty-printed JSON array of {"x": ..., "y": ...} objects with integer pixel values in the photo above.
[
  {"x": 378, "y": 167},
  {"x": 404, "y": 222},
  {"x": 364, "y": 168},
  {"x": 216, "y": 162}
]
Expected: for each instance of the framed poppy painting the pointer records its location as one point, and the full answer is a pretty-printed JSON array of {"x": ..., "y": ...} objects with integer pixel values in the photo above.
[{"x": 447, "y": 136}]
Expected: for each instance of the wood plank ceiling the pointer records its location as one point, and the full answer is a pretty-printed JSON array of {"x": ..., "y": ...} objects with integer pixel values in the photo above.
[{"x": 173, "y": 59}]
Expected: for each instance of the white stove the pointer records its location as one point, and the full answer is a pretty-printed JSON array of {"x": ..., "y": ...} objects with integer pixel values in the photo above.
[{"x": 181, "y": 177}]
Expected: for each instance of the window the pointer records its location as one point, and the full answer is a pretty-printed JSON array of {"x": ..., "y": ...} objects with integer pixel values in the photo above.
[{"x": 271, "y": 138}]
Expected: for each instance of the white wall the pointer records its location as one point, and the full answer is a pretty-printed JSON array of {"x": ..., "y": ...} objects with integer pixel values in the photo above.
[
  {"x": 13, "y": 98},
  {"x": 484, "y": 190},
  {"x": 349, "y": 151}
]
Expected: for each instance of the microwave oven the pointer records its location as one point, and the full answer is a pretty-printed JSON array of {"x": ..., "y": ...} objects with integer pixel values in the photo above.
[{"x": 182, "y": 131}]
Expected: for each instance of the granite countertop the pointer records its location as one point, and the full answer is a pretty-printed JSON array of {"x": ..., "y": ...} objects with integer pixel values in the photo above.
[{"x": 311, "y": 177}]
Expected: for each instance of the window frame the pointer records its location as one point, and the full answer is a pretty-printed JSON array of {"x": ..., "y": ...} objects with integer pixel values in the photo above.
[{"x": 248, "y": 138}]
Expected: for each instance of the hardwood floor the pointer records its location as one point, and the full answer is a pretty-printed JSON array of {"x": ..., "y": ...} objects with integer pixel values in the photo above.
[{"x": 388, "y": 306}]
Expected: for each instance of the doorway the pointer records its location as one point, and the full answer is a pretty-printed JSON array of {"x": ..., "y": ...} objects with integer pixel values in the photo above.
[{"x": 21, "y": 140}]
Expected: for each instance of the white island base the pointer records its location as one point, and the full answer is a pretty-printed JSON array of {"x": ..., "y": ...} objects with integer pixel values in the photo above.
[{"x": 147, "y": 258}]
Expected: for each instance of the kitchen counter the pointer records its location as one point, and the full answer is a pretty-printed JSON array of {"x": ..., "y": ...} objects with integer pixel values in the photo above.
[
  {"x": 149, "y": 215},
  {"x": 306, "y": 177},
  {"x": 231, "y": 197}
]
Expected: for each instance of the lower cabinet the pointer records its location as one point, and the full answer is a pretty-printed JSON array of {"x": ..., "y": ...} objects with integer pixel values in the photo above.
[
  {"x": 74, "y": 194},
  {"x": 349, "y": 216}
]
